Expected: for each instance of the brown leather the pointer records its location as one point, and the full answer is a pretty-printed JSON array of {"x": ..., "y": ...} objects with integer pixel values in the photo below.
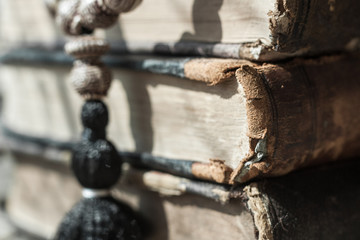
[{"x": 310, "y": 113}]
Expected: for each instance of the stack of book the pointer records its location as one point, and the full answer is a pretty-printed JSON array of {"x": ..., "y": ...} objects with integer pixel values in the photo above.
[{"x": 242, "y": 114}]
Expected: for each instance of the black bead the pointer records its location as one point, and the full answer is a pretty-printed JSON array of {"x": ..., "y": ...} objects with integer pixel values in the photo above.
[
  {"x": 94, "y": 115},
  {"x": 100, "y": 219},
  {"x": 96, "y": 164}
]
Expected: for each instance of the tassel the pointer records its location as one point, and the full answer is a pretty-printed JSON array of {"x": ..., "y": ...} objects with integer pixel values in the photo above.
[
  {"x": 99, "y": 218},
  {"x": 95, "y": 161}
]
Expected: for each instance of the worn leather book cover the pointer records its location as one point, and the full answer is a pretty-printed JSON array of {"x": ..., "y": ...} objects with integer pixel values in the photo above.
[
  {"x": 303, "y": 110},
  {"x": 221, "y": 120},
  {"x": 252, "y": 29}
]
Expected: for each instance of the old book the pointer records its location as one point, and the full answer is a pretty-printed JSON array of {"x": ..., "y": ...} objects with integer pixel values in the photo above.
[
  {"x": 252, "y": 29},
  {"x": 232, "y": 120},
  {"x": 318, "y": 203}
]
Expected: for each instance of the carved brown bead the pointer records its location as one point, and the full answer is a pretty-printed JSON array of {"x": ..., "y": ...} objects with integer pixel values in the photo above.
[
  {"x": 89, "y": 76},
  {"x": 65, "y": 16},
  {"x": 91, "y": 81},
  {"x": 92, "y": 15},
  {"x": 87, "y": 47}
]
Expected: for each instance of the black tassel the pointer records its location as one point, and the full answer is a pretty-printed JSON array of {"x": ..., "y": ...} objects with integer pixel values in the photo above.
[
  {"x": 101, "y": 218},
  {"x": 97, "y": 166}
]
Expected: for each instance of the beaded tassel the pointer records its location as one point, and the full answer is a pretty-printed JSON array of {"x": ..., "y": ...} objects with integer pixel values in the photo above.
[{"x": 95, "y": 162}]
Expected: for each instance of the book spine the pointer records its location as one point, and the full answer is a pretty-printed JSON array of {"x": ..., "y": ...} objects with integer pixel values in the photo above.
[
  {"x": 303, "y": 113},
  {"x": 304, "y": 27}
]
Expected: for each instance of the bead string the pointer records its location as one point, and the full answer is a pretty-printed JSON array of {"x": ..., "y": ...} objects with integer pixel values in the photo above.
[{"x": 95, "y": 160}]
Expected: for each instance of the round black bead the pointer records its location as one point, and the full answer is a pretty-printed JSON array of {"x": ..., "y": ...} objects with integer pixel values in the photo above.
[
  {"x": 94, "y": 115},
  {"x": 96, "y": 164},
  {"x": 100, "y": 218}
]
